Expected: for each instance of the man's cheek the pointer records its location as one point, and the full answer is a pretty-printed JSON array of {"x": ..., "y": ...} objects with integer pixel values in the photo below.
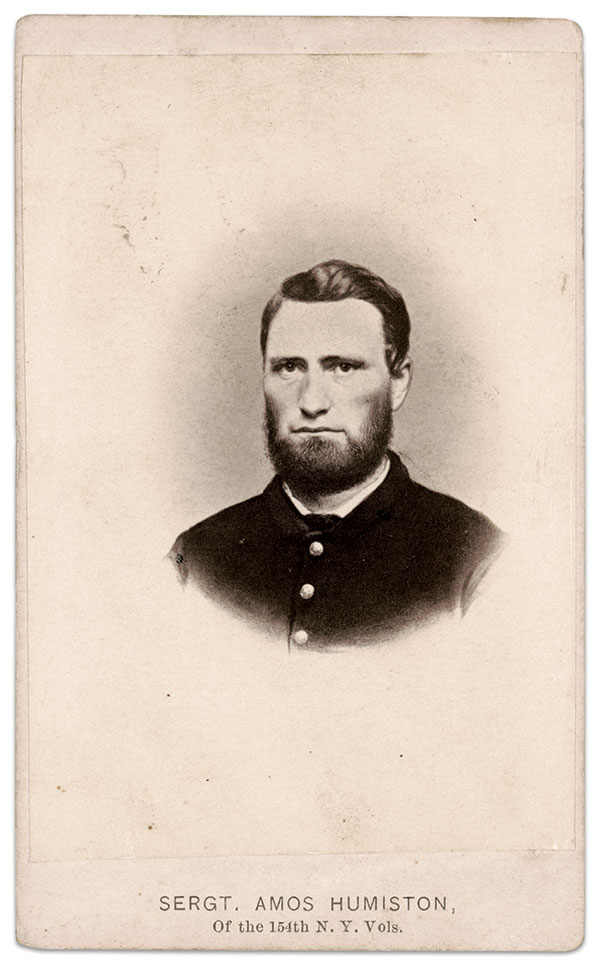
[{"x": 273, "y": 407}]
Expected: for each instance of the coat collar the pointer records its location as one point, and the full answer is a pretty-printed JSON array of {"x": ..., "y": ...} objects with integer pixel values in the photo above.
[{"x": 383, "y": 504}]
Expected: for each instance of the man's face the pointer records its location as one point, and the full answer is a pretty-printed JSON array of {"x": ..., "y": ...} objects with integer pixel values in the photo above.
[{"x": 329, "y": 394}]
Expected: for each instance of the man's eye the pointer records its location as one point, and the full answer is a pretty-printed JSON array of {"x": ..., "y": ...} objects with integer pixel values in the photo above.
[
  {"x": 345, "y": 367},
  {"x": 289, "y": 366}
]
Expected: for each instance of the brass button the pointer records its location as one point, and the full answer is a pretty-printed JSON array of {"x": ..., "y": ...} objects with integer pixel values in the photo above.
[
  {"x": 316, "y": 549},
  {"x": 300, "y": 637},
  {"x": 307, "y": 591}
]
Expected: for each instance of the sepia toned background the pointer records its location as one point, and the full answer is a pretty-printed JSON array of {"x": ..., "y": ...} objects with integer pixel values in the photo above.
[{"x": 164, "y": 197}]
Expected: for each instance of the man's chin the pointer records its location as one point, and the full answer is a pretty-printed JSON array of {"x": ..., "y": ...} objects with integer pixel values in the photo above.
[
  {"x": 320, "y": 467},
  {"x": 317, "y": 444},
  {"x": 319, "y": 454}
]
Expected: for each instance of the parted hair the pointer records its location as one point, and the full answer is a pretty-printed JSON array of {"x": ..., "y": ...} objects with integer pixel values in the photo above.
[{"x": 335, "y": 280}]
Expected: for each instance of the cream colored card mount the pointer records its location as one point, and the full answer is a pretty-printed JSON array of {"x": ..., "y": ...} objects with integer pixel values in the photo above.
[{"x": 300, "y": 489}]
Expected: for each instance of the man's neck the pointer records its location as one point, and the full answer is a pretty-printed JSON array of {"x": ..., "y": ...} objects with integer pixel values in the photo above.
[{"x": 344, "y": 501}]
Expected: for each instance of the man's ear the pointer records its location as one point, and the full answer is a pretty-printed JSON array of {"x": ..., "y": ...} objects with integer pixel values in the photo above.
[{"x": 401, "y": 377}]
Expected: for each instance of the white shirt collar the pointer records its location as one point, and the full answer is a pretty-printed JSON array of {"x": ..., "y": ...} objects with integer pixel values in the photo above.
[{"x": 344, "y": 509}]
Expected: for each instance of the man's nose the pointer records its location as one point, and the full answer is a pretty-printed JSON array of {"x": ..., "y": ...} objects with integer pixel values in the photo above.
[{"x": 314, "y": 395}]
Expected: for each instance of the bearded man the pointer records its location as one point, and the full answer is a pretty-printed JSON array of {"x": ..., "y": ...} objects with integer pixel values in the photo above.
[{"x": 342, "y": 547}]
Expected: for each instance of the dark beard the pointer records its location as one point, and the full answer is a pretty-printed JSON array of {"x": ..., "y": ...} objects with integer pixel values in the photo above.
[{"x": 316, "y": 467}]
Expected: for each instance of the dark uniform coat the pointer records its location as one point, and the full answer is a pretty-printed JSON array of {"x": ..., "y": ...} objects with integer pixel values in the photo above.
[{"x": 404, "y": 555}]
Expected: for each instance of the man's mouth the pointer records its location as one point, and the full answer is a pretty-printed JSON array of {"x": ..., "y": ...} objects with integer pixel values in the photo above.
[{"x": 316, "y": 429}]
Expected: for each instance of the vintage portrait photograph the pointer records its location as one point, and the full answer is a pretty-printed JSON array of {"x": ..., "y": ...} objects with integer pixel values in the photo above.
[
  {"x": 336, "y": 367},
  {"x": 300, "y": 532}
]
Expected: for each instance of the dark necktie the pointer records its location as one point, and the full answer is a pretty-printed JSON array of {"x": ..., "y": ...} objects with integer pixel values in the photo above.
[{"x": 321, "y": 522}]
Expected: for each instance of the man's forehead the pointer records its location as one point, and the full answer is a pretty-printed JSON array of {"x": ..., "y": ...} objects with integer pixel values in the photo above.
[{"x": 323, "y": 328}]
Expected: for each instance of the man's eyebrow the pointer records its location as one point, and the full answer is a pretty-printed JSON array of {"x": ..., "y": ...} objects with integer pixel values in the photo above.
[
  {"x": 331, "y": 360},
  {"x": 276, "y": 360},
  {"x": 355, "y": 360}
]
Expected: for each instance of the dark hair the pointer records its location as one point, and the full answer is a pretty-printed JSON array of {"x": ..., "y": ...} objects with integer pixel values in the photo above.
[{"x": 335, "y": 280}]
